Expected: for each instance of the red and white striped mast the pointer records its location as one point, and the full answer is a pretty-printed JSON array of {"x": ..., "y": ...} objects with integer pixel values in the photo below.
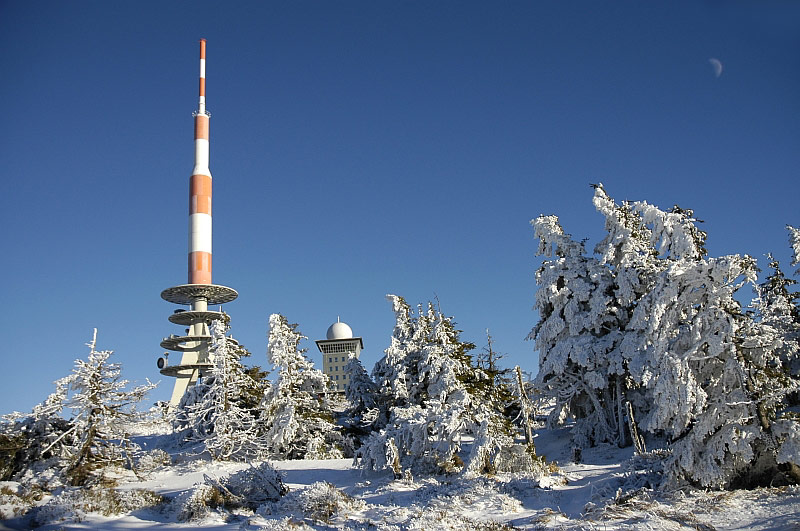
[
  {"x": 199, "y": 292},
  {"x": 200, "y": 189}
]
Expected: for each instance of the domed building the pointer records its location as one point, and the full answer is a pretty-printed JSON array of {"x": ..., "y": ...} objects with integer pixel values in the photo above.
[{"x": 336, "y": 350}]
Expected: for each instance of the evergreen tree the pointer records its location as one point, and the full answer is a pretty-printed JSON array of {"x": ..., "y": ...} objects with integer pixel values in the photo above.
[
  {"x": 794, "y": 243},
  {"x": 219, "y": 411},
  {"x": 363, "y": 413},
  {"x": 578, "y": 337},
  {"x": 100, "y": 406},
  {"x": 654, "y": 325},
  {"x": 299, "y": 421},
  {"x": 494, "y": 385},
  {"x": 44, "y": 436},
  {"x": 778, "y": 307},
  {"x": 361, "y": 390},
  {"x": 431, "y": 394}
]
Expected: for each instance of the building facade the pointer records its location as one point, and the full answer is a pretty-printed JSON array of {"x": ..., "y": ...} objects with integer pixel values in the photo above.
[{"x": 337, "y": 349}]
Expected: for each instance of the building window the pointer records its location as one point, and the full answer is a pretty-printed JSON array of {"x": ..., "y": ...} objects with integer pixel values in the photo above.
[
  {"x": 339, "y": 348},
  {"x": 330, "y": 360}
]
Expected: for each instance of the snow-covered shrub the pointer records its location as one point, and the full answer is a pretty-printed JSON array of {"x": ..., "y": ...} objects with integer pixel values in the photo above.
[
  {"x": 248, "y": 488},
  {"x": 441, "y": 505},
  {"x": 152, "y": 460},
  {"x": 16, "y": 498},
  {"x": 197, "y": 503},
  {"x": 379, "y": 453},
  {"x": 73, "y": 504},
  {"x": 319, "y": 502},
  {"x": 255, "y": 485},
  {"x": 642, "y": 475},
  {"x": 521, "y": 459},
  {"x": 46, "y": 474}
]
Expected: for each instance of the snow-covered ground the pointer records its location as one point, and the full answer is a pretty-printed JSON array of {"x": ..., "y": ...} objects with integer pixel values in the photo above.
[{"x": 331, "y": 494}]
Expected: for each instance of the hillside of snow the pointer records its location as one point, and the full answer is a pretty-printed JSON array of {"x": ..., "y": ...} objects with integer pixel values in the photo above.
[{"x": 600, "y": 492}]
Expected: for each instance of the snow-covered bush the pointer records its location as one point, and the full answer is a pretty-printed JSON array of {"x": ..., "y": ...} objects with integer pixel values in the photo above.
[
  {"x": 197, "y": 503},
  {"x": 319, "y": 502},
  {"x": 152, "y": 460},
  {"x": 16, "y": 499},
  {"x": 255, "y": 485},
  {"x": 75, "y": 503},
  {"x": 249, "y": 488}
]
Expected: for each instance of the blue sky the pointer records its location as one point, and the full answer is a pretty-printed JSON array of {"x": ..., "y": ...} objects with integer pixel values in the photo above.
[{"x": 365, "y": 148}]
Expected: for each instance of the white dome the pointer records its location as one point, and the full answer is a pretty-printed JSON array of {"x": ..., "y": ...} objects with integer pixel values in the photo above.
[{"x": 339, "y": 330}]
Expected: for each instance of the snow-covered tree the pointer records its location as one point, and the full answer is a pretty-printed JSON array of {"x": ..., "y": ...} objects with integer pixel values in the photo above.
[
  {"x": 499, "y": 381},
  {"x": 80, "y": 429},
  {"x": 101, "y": 409},
  {"x": 432, "y": 397},
  {"x": 578, "y": 337},
  {"x": 299, "y": 420},
  {"x": 42, "y": 436},
  {"x": 654, "y": 325},
  {"x": 778, "y": 307},
  {"x": 794, "y": 242},
  {"x": 770, "y": 350},
  {"x": 219, "y": 412},
  {"x": 361, "y": 391}
]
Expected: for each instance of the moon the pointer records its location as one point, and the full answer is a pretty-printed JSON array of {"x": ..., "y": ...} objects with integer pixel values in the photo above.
[{"x": 716, "y": 64}]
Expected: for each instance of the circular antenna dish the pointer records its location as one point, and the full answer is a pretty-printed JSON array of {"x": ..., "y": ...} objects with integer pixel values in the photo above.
[{"x": 339, "y": 330}]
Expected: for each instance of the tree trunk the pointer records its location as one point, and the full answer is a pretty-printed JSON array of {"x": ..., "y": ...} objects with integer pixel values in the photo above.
[
  {"x": 525, "y": 403},
  {"x": 638, "y": 440}
]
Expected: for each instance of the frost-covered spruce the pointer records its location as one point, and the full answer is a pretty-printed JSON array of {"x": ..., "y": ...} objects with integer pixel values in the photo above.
[
  {"x": 770, "y": 353},
  {"x": 218, "y": 412},
  {"x": 78, "y": 430},
  {"x": 431, "y": 395},
  {"x": 396, "y": 371},
  {"x": 659, "y": 318},
  {"x": 578, "y": 338},
  {"x": 363, "y": 414},
  {"x": 361, "y": 391},
  {"x": 714, "y": 375},
  {"x": 43, "y": 436},
  {"x": 794, "y": 242},
  {"x": 777, "y": 308},
  {"x": 101, "y": 409},
  {"x": 299, "y": 421}
]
